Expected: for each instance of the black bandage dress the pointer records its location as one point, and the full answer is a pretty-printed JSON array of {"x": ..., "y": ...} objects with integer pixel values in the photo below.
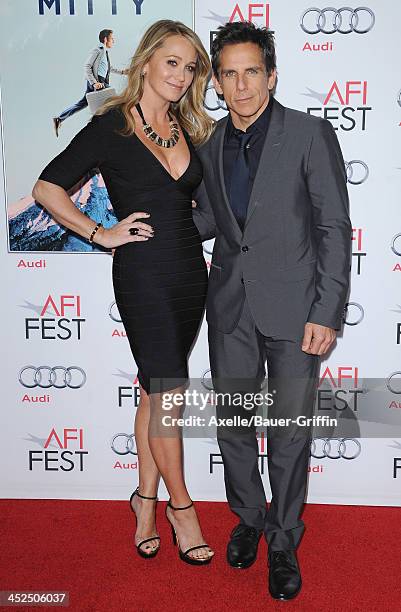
[{"x": 159, "y": 284}]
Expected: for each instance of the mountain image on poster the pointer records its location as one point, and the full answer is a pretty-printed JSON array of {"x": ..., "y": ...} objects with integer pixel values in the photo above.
[{"x": 31, "y": 227}]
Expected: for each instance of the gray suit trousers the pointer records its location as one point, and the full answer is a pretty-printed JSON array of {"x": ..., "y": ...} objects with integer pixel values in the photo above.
[{"x": 237, "y": 363}]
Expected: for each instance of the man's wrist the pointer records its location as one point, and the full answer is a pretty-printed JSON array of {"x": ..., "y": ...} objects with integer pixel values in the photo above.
[{"x": 321, "y": 325}]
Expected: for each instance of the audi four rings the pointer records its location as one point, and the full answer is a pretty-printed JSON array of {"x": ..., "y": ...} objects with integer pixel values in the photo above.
[
  {"x": 207, "y": 381},
  {"x": 114, "y": 314},
  {"x": 212, "y": 102},
  {"x": 335, "y": 448},
  {"x": 358, "y": 316},
  {"x": 46, "y": 377},
  {"x": 357, "y": 171},
  {"x": 389, "y": 382},
  {"x": 396, "y": 250},
  {"x": 343, "y": 20},
  {"x": 123, "y": 444}
]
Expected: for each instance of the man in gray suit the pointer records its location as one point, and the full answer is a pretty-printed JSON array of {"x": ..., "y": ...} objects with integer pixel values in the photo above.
[
  {"x": 274, "y": 196},
  {"x": 97, "y": 72}
]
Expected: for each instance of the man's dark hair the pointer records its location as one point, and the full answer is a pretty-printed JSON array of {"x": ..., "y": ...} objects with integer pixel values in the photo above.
[
  {"x": 104, "y": 34},
  {"x": 243, "y": 32}
]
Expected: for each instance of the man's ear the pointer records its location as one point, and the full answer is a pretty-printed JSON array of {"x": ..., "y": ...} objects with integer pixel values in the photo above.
[
  {"x": 272, "y": 78},
  {"x": 216, "y": 85}
]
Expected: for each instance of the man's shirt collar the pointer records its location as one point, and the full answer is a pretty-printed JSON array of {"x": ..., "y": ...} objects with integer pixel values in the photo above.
[{"x": 260, "y": 125}]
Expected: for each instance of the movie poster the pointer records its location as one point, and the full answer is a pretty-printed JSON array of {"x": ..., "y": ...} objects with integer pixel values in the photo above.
[{"x": 49, "y": 50}]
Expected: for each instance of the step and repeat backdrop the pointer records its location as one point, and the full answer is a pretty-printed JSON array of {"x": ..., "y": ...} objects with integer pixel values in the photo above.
[{"x": 68, "y": 377}]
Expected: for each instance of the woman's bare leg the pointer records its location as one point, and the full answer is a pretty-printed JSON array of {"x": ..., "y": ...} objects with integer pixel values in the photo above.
[
  {"x": 165, "y": 443},
  {"x": 149, "y": 477}
]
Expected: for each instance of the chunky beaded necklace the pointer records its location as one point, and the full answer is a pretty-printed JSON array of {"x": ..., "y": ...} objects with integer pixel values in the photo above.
[{"x": 152, "y": 135}]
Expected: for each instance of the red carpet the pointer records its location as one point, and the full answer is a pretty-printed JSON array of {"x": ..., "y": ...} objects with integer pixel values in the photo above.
[{"x": 350, "y": 559}]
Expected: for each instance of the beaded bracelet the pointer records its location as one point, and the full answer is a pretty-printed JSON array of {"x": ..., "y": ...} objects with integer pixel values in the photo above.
[{"x": 94, "y": 232}]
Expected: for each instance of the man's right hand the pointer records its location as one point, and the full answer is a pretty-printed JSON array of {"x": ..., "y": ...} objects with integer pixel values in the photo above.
[{"x": 98, "y": 85}]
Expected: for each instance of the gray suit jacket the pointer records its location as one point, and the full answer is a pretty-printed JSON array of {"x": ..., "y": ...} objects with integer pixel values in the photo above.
[
  {"x": 92, "y": 65},
  {"x": 293, "y": 259}
]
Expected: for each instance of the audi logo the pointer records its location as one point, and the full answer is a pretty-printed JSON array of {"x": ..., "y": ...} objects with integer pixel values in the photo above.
[
  {"x": 211, "y": 100},
  {"x": 58, "y": 377},
  {"x": 207, "y": 382},
  {"x": 123, "y": 444},
  {"x": 353, "y": 313},
  {"x": 357, "y": 171},
  {"x": 393, "y": 247},
  {"x": 343, "y": 20},
  {"x": 114, "y": 314},
  {"x": 335, "y": 448},
  {"x": 389, "y": 383}
]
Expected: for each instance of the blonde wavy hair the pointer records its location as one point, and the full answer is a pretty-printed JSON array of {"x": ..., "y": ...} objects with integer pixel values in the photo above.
[{"x": 189, "y": 110}]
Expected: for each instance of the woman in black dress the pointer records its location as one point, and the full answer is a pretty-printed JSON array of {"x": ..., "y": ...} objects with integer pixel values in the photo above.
[{"x": 143, "y": 143}]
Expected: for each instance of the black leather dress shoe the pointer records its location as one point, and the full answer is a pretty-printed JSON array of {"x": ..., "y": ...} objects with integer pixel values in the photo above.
[
  {"x": 243, "y": 546},
  {"x": 284, "y": 574}
]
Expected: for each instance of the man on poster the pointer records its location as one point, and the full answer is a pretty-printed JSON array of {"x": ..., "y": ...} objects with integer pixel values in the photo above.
[
  {"x": 97, "y": 72},
  {"x": 274, "y": 196}
]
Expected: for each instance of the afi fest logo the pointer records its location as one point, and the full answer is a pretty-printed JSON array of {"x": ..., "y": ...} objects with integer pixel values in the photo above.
[
  {"x": 358, "y": 252},
  {"x": 61, "y": 450},
  {"x": 396, "y": 460},
  {"x": 215, "y": 459},
  {"x": 255, "y": 12},
  {"x": 58, "y": 319},
  {"x": 398, "y": 324},
  {"x": 128, "y": 395},
  {"x": 345, "y": 105},
  {"x": 337, "y": 393}
]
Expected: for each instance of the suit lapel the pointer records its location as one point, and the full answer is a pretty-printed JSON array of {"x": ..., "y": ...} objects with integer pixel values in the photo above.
[
  {"x": 269, "y": 156},
  {"x": 218, "y": 168}
]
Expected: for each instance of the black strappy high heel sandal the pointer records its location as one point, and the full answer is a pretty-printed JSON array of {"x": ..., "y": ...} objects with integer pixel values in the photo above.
[
  {"x": 184, "y": 556},
  {"x": 141, "y": 552}
]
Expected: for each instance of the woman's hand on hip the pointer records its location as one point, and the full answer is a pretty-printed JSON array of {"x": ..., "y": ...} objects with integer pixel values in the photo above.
[{"x": 120, "y": 232}]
